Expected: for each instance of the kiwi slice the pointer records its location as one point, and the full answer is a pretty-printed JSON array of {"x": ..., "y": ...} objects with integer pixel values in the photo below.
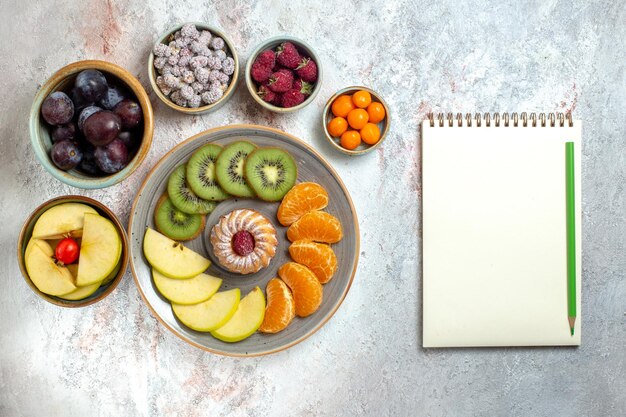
[
  {"x": 201, "y": 173},
  {"x": 176, "y": 224},
  {"x": 183, "y": 198},
  {"x": 229, "y": 168},
  {"x": 271, "y": 172}
]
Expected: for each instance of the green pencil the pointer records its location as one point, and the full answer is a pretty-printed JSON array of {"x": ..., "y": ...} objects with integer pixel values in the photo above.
[{"x": 571, "y": 235}]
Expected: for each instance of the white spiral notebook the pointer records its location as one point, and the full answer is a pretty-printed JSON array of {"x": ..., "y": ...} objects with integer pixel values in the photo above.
[{"x": 494, "y": 230}]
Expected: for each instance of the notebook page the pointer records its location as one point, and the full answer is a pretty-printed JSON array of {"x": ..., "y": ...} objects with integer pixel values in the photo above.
[{"x": 494, "y": 236}]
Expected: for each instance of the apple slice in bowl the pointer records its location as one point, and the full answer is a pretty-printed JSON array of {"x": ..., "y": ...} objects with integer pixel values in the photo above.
[
  {"x": 100, "y": 250},
  {"x": 62, "y": 220},
  {"x": 44, "y": 271},
  {"x": 67, "y": 281}
]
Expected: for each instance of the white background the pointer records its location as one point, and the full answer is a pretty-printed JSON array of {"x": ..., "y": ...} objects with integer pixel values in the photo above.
[{"x": 114, "y": 359}]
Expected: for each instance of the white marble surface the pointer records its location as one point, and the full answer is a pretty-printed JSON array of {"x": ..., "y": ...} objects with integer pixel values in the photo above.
[{"x": 115, "y": 359}]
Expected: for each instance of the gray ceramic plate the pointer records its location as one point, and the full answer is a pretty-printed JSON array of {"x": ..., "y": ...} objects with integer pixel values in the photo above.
[{"x": 312, "y": 167}]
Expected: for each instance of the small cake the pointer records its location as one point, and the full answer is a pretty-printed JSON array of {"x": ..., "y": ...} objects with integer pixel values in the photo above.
[{"x": 244, "y": 241}]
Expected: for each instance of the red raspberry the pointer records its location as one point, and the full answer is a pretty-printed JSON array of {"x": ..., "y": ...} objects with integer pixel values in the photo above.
[
  {"x": 267, "y": 59},
  {"x": 281, "y": 81},
  {"x": 287, "y": 55},
  {"x": 292, "y": 98},
  {"x": 304, "y": 87},
  {"x": 266, "y": 94},
  {"x": 242, "y": 243},
  {"x": 260, "y": 73},
  {"x": 307, "y": 70}
]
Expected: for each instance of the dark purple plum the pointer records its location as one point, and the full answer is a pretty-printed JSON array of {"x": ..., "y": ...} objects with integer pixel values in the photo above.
[
  {"x": 57, "y": 108},
  {"x": 88, "y": 163},
  {"x": 130, "y": 113},
  {"x": 79, "y": 102},
  {"x": 66, "y": 154},
  {"x": 91, "y": 85},
  {"x": 112, "y": 97},
  {"x": 84, "y": 115},
  {"x": 64, "y": 132},
  {"x": 128, "y": 138},
  {"x": 102, "y": 128},
  {"x": 112, "y": 157}
]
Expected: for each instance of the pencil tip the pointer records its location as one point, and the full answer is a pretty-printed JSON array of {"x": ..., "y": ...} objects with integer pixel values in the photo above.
[{"x": 572, "y": 322}]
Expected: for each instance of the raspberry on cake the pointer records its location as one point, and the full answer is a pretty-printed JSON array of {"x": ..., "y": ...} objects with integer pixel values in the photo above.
[{"x": 244, "y": 241}]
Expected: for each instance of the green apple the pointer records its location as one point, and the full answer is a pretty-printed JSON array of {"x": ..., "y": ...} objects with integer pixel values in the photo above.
[
  {"x": 100, "y": 250},
  {"x": 62, "y": 220},
  {"x": 83, "y": 292},
  {"x": 113, "y": 274},
  {"x": 210, "y": 314},
  {"x": 80, "y": 292},
  {"x": 43, "y": 270},
  {"x": 186, "y": 291},
  {"x": 246, "y": 320},
  {"x": 171, "y": 258}
]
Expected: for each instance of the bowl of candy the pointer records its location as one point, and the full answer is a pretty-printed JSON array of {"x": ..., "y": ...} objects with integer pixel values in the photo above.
[{"x": 193, "y": 68}]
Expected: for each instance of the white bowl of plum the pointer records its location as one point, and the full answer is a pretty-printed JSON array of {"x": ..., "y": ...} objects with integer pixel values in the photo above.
[{"x": 91, "y": 124}]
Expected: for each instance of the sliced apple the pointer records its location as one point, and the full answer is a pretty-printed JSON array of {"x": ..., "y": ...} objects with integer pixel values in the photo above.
[
  {"x": 186, "y": 291},
  {"x": 100, "y": 250},
  {"x": 43, "y": 270},
  {"x": 171, "y": 258},
  {"x": 80, "y": 292},
  {"x": 62, "y": 220},
  {"x": 210, "y": 314},
  {"x": 112, "y": 275},
  {"x": 45, "y": 247},
  {"x": 246, "y": 320}
]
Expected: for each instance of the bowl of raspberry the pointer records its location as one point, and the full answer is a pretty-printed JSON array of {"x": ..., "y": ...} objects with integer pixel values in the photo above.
[
  {"x": 193, "y": 68},
  {"x": 283, "y": 74},
  {"x": 91, "y": 124}
]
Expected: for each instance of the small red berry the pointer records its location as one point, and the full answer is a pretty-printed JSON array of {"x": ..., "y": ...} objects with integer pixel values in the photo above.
[
  {"x": 266, "y": 94},
  {"x": 304, "y": 87},
  {"x": 260, "y": 73},
  {"x": 67, "y": 251},
  {"x": 287, "y": 55},
  {"x": 307, "y": 70},
  {"x": 292, "y": 98},
  {"x": 267, "y": 59},
  {"x": 281, "y": 81},
  {"x": 242, "y": 243}
]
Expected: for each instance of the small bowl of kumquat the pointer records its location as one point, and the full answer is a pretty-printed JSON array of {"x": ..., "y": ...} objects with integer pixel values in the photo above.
[{"x": 356, "y": 120}]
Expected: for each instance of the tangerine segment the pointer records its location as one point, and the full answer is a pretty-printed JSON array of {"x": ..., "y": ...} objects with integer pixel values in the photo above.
[
  {"x": 300, "y": 200},
  {"x": 318, "y": 226},
  {"x": 305, "y": 287},
  {"x": 280, "y": 308},
  {"x": 318, "y": 257}
]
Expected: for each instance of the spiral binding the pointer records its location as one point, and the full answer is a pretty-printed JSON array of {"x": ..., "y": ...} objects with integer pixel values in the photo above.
[{"x": 505, "y": 120}]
